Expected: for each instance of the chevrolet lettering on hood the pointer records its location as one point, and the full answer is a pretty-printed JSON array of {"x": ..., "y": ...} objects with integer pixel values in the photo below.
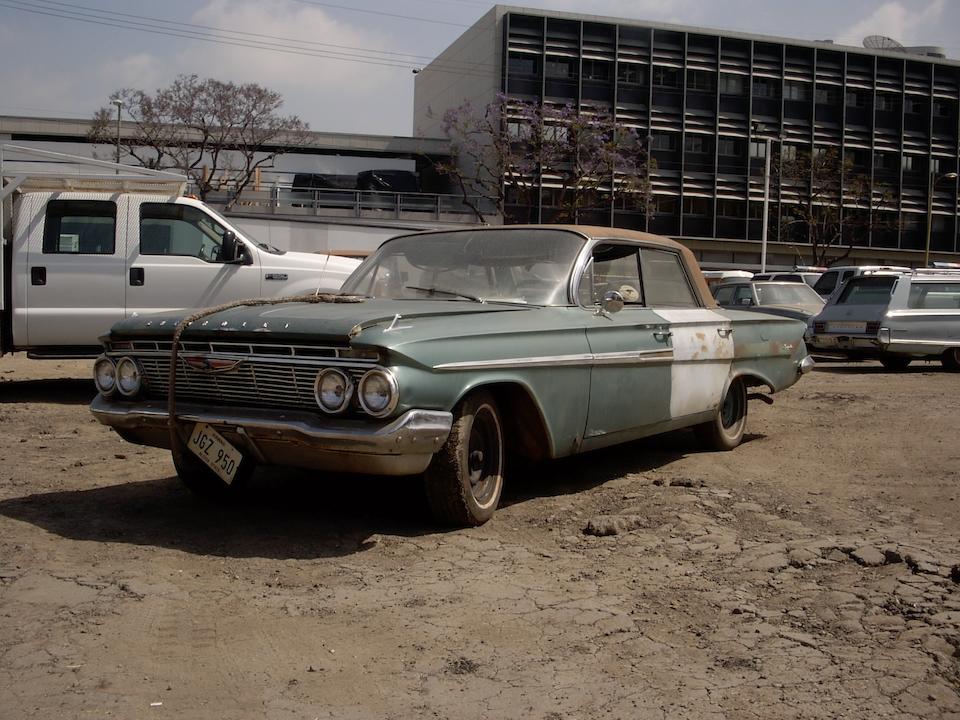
[{"x": 444, "y": 353}]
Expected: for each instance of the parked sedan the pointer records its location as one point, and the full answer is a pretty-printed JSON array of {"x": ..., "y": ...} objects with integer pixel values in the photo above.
[
  {"x": 446, "y": 352},
  {"x": 787, "y": 299}
]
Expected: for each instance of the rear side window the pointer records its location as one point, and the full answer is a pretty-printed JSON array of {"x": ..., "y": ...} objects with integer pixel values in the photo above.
[
  {"x": 80, "y": 227},
  {"x": 665, "y": 283},
  {"x": 867, "y": 291},
  {"x": 724, "y": 295},
  {"x": 934, "y": 296},
  {"x": 826, "y": 283}
]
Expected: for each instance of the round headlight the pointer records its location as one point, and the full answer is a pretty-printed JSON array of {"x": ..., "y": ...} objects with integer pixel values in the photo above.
[
  {"x": 333, "y": 390},
  {"x": 104, "y": 375},
  {"x": 128, "y": 377},
  {"x": 378, "y": 392}
]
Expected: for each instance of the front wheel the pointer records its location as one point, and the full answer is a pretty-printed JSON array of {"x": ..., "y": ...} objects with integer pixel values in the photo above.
[
  {"x": 951, "y": 359},
  {"x": 726, "y": 430},
  {"x": 465, "y": 477},
  {"x": 895, "y": 363}
]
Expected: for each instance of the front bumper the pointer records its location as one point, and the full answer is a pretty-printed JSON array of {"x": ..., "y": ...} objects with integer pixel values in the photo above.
[{"x": 402, "y": 446}]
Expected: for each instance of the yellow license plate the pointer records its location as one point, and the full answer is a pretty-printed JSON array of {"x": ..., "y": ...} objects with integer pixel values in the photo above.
[{"x": 215, "y": 451}]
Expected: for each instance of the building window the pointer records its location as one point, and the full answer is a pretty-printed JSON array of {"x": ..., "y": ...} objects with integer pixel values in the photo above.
[
  {"x": 663, "y": 141},
  {"x": 697, "y": 206},
  {"x": 788, "y": 153},
  {"x": 885, "y": 161},
  {"x": 561, "y": 69},
  {"x": 857, "y": 99},
  {"x": 664, "y": 205},
  {"x": 729, "y": 147},
  {"x": 555, "y": 133},
  {"x": 886, "y": 102},
  {"x": 732, "y": 84},
  {"x": 795, "y": 90},
  {"x": 914, "y": 105},
  {"x": 666, "y": 77},
  {"x": 827, "y": 95},
  {"x": 909, "y": 163},
  {"x": 696, "y": 144},
  {"x": 942, "y": 108},
  {"x": 731, "y": 208},
  {"x": 758, "y": 149},
  {"x": 596, "y": 70},
  {"x": 523, "y": 65},
  {"x": 765, "y": 88},
  {"x": 701, "y": 80},
  {"x": 631, "y": 74}
]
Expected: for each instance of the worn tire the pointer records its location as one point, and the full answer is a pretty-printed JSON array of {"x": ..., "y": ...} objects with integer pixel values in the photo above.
[
  {"x": 951, "y": 359},
  {"x": 465, "y": 478},
  {"x": 895, "y": 363},
  {"x": 726, "y": 430},
  {"x": 202, "y": 481}
]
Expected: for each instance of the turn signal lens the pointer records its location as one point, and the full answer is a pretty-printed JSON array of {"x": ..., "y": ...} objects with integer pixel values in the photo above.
[
  {"x": 128, "y": 377},
  {"x": 104, "y": 375},
  {"x": 378, "y": 393}
]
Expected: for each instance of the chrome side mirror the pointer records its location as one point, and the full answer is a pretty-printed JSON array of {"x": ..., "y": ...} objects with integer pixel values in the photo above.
[{"x": 612, "y": 302}]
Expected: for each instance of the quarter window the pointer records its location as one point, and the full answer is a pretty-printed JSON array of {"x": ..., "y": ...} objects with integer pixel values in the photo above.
[
  {"x": 934, "y": 296},
  {"x": 613, "y": 267},
  {"x": 80, "y": 227},
  {"x": 183, "y": 230},
  {"x": 665, "y": 283}
]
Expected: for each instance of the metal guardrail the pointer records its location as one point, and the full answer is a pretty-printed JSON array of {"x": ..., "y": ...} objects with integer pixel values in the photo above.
[{"x": 369, "y": 204}]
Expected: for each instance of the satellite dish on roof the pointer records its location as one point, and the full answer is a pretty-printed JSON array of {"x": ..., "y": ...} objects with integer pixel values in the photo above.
[{"x": 881, "y": 42}]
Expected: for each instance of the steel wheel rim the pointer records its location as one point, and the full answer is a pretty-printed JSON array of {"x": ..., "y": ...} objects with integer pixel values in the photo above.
[{"x": 483, "y": 456}]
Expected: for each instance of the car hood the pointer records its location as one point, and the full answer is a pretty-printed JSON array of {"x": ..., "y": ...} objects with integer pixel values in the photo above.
[{"x": 338, "y": 322}]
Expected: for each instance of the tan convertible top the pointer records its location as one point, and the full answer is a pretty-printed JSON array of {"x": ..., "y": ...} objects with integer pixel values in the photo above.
[{"x": 609, "y": 233}]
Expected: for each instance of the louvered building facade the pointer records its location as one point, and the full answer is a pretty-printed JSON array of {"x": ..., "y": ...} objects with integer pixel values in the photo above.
[{"x": 709, "y": 100}]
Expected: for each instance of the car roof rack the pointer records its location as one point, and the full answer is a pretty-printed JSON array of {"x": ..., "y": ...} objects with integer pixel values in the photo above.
[{"x": 938, "y": 271}]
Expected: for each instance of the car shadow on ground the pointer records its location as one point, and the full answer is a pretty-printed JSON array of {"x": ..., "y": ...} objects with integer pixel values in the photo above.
[
  {"x": 58, "y": 391},
  {"x": 918, "y": 367},
  {"x": 284, "y": 514},
  {"x": 298, "y": 514}
]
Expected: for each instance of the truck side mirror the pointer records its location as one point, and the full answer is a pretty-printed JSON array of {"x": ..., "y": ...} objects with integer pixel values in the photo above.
[{"x": 229, "y": 247}]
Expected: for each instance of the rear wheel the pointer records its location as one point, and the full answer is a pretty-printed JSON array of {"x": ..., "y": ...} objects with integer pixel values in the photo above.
[
  {"x": 465, "y": 477},
  {"x": 726, "y": 430},
  {"x": 202, "y": 481},
  {"x": 951, "y": 359},
  {"x": 895, "y": 363}
]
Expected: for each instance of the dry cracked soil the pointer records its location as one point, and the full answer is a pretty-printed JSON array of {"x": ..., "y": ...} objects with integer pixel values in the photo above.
[{"x": 814, "y": 572}]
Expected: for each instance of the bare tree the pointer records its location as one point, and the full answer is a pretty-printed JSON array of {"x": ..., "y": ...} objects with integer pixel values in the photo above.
[
  {"x": 512, "y": 152},
  {"x": 828, "y": 205},
  {"x": 217, "y": 133}
]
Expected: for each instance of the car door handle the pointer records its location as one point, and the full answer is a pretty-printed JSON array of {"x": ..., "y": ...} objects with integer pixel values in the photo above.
[
  {"x": 38, "y": 275},
  {"x": 136, "y": 277},
  {"x": 662, "y": 334},
  {"x": 724, "y": 332}
]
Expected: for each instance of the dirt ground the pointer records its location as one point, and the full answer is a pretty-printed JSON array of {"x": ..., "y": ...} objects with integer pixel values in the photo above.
[{"x": 811, "y": 573}]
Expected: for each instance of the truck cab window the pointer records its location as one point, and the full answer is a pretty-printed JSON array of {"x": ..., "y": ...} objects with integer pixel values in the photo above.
[
  {"x": 174, "y": 229},
  {"x": 80, "y": 227}
]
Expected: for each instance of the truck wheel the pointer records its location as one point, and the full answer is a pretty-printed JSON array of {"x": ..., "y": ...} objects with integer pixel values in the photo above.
[
  {"x": 895, "y": 363},
  {"x": 202, "y": 481},
  {"x": 465, "y": 477},
  {"x": 725, "y": 431},
  {"x": 951, "y": 359}
]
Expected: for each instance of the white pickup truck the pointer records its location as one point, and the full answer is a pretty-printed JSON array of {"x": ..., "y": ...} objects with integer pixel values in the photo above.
[{"x": 77, "y": 260}]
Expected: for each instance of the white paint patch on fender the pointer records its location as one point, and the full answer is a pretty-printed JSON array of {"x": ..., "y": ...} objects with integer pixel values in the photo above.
[{"x": 702, "y": 354}]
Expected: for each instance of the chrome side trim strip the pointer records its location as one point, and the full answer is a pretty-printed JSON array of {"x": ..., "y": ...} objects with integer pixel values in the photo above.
[{"x": 629, "y": 357}]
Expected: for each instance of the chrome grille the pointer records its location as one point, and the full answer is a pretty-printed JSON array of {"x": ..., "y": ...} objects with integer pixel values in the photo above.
[{"x": 262, "y": 379}]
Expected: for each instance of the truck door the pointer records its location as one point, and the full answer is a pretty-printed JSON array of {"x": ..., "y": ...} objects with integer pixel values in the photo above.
[
  {"x": 74, "y": 276},
  {"x": 174, "y": 261}
]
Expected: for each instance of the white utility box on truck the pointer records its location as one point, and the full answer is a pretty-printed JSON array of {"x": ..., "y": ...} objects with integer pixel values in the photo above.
[{"x": 87, "y": 243}]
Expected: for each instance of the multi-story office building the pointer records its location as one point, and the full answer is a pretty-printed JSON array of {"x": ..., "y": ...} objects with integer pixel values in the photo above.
[{"x": 709, "y": 100}]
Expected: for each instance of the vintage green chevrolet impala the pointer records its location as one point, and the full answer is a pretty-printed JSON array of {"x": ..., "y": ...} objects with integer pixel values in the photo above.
[{"x": 444, "y": 353}]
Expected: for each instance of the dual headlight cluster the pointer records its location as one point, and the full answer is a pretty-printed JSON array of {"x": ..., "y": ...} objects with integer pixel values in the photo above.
[
  {"x": 122, "y": 376},
  {"x": 376, "y": 392}
]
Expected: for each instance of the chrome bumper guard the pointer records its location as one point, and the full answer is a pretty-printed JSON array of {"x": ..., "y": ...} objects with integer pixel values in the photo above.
[
  {"x": 805, "y": 365},
  {"x": 403, "y": 446}
]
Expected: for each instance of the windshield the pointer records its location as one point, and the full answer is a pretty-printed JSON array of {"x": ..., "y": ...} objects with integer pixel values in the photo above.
[
  {"x": 867, "y": 291},
  {"x": 530, "y": 266},
  {"x": 787, "y": 294}
]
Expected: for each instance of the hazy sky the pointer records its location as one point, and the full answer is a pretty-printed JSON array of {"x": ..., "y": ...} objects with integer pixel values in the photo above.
[{"x": 345, "y": 65}]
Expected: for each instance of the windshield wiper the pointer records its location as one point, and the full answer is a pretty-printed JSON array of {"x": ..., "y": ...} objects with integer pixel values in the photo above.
[{"x": 441, "y": 291}]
